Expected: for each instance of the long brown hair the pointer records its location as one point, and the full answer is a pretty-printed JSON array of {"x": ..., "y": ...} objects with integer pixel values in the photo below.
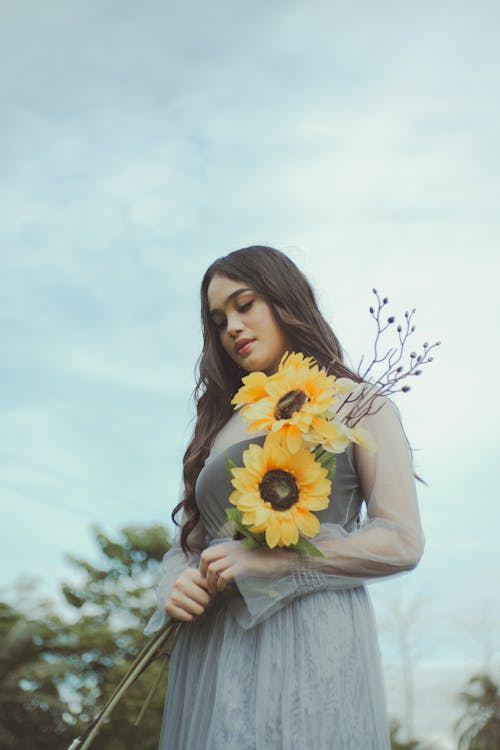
[{"x": 273, "y": 275}]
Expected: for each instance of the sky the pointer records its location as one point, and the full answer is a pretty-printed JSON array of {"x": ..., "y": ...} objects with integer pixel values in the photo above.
[{"x": 137, "y": 145}]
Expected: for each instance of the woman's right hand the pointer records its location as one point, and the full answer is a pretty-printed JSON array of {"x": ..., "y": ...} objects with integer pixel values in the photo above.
[{"x": 189, "y": 597}]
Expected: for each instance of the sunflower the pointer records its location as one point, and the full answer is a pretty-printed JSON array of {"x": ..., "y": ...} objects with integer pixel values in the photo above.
[
  {"x": 293, "y": 401},
  {"x": 276, "y": 490}
]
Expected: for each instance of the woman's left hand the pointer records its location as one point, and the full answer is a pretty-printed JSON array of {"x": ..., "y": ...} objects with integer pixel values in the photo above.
[{"x": 221, "y": 563}]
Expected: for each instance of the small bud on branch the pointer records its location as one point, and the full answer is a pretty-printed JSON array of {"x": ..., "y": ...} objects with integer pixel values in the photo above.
[{"x": 390, "y": 380}]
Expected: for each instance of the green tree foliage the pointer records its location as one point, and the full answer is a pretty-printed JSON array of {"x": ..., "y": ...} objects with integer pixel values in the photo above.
[
  {"x": 30, "y": 704},
  {"x": 55, "y": 674},
  {"x": 479, "y": 727}
]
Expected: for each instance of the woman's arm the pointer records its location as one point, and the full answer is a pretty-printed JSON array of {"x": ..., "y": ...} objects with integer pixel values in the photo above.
[{"x": 391, "y": 541}]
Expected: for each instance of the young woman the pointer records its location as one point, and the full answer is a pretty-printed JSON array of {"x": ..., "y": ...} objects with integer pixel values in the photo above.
[{"x": 278, "y": 650}]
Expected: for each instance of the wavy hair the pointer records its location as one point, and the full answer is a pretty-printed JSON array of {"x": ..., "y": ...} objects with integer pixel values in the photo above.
[{"x": 292, "y": 300}]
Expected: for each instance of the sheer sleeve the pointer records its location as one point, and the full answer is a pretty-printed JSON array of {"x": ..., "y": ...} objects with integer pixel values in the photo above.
[
  {"x": 173, "y": 564},
  {"x": 390, "y": 541}
]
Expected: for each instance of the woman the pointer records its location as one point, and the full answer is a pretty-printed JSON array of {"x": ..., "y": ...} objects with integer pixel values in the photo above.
[{"x": 279, "y": 650}]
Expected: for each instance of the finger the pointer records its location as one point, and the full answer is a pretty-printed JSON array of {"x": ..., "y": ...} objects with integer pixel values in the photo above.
[
  {"x": 183, "y": 601},
  {"x": 213, "y": 573},
  {"x": 198, "y": 594},
  {"x": 189, "y": 580},
  {"x": 191, "y": 590},
  {"x": 225, "y": 580},
  {"x": 210, "y": 555},
  {"x": 197, "y": 578},
  {"x": 195, "y": 586},
  {"x": 177, "y": 613},
  {"x": 215, "y": 570}
]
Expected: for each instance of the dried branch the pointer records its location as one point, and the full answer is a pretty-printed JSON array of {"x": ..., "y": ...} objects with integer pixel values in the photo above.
[{"x": 390, "y": 379}]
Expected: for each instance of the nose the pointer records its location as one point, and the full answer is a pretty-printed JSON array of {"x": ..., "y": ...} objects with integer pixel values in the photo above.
[{"x": 234, "y": 324}]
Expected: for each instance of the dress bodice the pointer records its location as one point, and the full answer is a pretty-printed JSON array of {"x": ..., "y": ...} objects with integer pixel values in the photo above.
[{"x": 213, "y": 488}]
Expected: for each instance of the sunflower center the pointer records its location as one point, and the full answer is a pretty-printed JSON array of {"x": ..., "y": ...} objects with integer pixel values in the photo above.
[
  {"x": 279, "y": 488},
  {"x": 290, "y": 403}
]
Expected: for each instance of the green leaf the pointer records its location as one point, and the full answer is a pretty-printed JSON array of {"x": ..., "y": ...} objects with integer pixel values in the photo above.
[
  {"x": 230, "y": 465},
  {"x": 308, "y": 548},
  {"x": 235, "y": 516},
  {"x": 328, "y": 461}
]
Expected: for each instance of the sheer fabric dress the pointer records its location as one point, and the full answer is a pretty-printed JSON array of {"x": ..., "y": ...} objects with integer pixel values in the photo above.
[{"x": 290, "y": 659}]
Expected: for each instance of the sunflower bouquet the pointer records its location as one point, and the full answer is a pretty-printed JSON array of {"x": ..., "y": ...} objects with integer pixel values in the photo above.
[{"x": 284, "y": 481}]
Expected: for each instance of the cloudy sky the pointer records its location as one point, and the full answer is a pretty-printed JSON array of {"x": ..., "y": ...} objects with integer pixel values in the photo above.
[{"x": 140, "y": 143}]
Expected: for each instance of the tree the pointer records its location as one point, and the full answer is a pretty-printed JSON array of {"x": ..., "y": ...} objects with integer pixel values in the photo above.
[
  {"x": 30, "y": 703},
  {"x": 58, "y": 673},
  {"x": 115, "y": 601},
  {"x": 479, "y": 727}
]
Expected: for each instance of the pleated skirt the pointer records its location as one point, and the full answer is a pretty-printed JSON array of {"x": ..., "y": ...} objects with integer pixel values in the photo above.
[{"x": 308, "y": 677}]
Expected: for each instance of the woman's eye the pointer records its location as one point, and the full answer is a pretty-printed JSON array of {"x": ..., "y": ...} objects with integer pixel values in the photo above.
[{"x": 221, "y": 324}]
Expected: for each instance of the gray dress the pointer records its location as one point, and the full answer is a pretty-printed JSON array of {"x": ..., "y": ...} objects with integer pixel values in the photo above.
[{"x": 290, "y": 661}]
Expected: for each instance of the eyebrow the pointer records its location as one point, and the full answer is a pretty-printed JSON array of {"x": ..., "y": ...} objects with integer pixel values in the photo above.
[{"x": 230, "y": 297}]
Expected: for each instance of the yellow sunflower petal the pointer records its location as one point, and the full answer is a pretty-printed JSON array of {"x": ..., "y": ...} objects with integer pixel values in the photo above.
[
  {"x": 316, "y": 503},
  {"x": 289, "y": 532},
  {"x": 274, "y": 454},
  {"x": 272, "y": 532},
  {"x": 246, "y": 501},
  {"x": 261, "y": 514},
  {"x": 320, "y": 488},
  {"x": 260, "y": 411},
  {"x": 307, "y": 523},
  {"x": 246, "y": 484},
  {"x": 293, "y": 439},
  {"x": 253, "y": 388}
]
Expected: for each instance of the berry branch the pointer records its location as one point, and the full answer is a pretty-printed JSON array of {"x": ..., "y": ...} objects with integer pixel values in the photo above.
[{"x": 394, "y": 372}]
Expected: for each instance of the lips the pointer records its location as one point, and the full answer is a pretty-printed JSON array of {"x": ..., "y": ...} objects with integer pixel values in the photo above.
[{"x": 242, "y": 345}]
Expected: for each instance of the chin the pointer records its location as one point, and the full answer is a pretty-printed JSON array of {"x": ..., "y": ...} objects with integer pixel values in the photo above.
[{"x": 254, "y": 366}]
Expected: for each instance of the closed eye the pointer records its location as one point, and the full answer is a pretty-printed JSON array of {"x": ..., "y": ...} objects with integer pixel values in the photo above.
[{"x": 245, "y": 307}]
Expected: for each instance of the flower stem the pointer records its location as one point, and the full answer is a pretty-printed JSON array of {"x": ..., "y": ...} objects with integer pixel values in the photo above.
[{"x": 150, "y": 652}]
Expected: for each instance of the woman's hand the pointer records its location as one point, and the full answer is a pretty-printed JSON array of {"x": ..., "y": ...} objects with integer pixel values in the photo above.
[
  {"x": 221, "y": 563},
  {"x": 189, "y": 597}
]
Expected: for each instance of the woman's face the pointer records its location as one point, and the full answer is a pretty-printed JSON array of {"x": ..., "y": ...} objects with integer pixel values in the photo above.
[{"x": 247, "y": 327}]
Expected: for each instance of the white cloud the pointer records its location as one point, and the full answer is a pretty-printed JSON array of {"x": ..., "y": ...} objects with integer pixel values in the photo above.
[{"x": 159, "y": 378}]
